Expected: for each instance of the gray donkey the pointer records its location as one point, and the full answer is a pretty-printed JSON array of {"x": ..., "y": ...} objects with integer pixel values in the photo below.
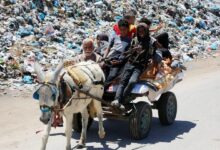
[{"x": 48, "y": 93}]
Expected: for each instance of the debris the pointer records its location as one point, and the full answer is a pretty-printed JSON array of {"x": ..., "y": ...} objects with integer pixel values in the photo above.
[{"x": 48, "y": 31}]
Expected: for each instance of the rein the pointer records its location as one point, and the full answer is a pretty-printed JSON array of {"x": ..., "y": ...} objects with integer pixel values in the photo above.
[
  {"x": 56, "y": 109},
  {"x": 47, "y": 83}
]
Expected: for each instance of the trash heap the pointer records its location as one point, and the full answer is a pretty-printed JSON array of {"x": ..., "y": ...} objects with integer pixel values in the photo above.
[{"x": 50, "y": 30}]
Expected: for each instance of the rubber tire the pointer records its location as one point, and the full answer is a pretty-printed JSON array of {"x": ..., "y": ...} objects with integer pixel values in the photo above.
[
  {"x": 135, "y": 122},
  {"x": 77, "y": 122},
  {"x": 163, "y": 104}
]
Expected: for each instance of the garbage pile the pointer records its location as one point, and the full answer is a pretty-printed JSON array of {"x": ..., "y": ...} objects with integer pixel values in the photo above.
[{"x": 50, "y": 30}]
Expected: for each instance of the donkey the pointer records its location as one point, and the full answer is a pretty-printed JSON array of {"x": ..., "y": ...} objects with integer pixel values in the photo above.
[{"x": 49, "y": 92}]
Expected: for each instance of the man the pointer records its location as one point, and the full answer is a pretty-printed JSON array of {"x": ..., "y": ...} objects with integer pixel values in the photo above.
[
  {"x": 115, "y": 53},
  {"x": 88, "y": 53}
]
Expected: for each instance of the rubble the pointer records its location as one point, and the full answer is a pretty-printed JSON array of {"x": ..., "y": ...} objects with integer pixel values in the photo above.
[{"x": 51, "y": 30}]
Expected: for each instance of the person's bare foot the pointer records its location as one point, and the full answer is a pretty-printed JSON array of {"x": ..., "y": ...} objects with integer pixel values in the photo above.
[{"x": 117, "y": 104}]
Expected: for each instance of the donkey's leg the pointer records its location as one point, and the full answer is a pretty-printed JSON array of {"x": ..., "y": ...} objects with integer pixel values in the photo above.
[
  {"x": 68, "y": 119},
  {"x": 45, "y": 135},
  {"x": 85, "y": 117},
  {"x": 98, "y": 107}
]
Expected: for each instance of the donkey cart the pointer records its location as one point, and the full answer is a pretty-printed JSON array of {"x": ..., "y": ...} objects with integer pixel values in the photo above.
[{"x": 138, "y": 111}]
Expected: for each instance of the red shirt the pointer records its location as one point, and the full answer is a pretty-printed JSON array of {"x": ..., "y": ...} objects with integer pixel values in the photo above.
[{"x": 132, "y": 30}]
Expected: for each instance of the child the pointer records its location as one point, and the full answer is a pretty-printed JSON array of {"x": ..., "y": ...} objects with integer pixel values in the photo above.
[
  {"x": 163, "y": 46},
  {"x": 165, "y": 61},
  {"x": 102, "y": 43},
  {"x": 163, "y": 55},
  {"x": 138, "y": 56},
  {"x": 149, "y": 23},
  {"x": 130, "y": 18},
  {"x": 115, "y": 53}
]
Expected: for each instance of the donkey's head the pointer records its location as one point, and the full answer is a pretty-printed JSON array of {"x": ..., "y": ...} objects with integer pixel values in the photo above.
[{"x": 47, "y": 92}]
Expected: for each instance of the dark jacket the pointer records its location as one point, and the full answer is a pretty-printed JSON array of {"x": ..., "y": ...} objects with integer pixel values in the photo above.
[
  {"x": 137, "y": 54},
  {"x": 141, "y": 49}
]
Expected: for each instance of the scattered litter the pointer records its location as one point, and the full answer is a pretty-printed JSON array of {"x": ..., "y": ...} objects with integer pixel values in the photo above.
[{"x": 48, "y": 31}]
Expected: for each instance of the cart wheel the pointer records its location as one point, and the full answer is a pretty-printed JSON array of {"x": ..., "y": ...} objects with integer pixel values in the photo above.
[
  {"x": 167, "y": 108},
  {"x": 140, "y": 120},
  {"x": 77, "y": 122}
]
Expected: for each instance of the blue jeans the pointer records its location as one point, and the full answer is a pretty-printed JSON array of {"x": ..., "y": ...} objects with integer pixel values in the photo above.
[
  {"x": 111, "y": 75},
  {"x": 129, "y": 78}
]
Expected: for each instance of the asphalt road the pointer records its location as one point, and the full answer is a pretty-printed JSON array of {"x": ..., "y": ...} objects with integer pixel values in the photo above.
[{"x": 197, "y": 124}]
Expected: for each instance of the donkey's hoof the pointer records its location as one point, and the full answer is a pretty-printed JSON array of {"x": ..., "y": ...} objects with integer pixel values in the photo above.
[
  {"x": 80, "y": 146},
  {"x": 68, "y": 147},
  {"x": 102, "y": 135}
]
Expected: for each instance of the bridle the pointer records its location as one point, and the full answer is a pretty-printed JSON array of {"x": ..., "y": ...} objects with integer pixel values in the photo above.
[
  {"x": 56, "y": 108},
  {"x": 55, "y": 92}
]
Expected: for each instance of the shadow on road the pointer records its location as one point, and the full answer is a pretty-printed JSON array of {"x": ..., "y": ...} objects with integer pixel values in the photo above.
[
  {"x": 56, "y": 134},
  {"x": 117, "y": 132}
]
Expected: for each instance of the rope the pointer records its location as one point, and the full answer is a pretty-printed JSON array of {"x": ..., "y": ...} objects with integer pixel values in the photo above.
[
  {"x": 92, "y": 63},
  {"x": 67, "y": 104},
  {"x": 84, "y": 92},
  {"x": 92, "y": 96}
]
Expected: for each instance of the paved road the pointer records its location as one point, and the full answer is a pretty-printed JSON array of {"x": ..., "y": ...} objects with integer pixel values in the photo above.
[{"x": 197, "y": 125}]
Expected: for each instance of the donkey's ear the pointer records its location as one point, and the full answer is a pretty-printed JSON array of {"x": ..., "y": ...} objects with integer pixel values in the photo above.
[
  {"x": 39, "y": 72},
  {"x": 57, "y": 71}
]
